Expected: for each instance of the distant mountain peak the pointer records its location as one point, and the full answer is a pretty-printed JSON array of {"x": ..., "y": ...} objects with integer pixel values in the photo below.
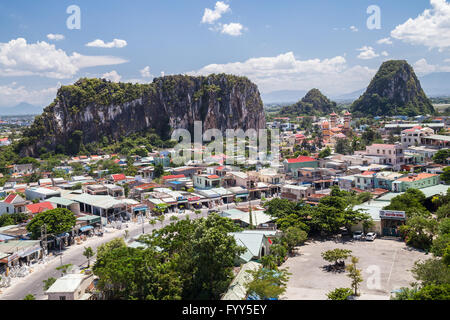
[
  {"x": 313, "y": 103},
  {"x": 394, "y": 90}
]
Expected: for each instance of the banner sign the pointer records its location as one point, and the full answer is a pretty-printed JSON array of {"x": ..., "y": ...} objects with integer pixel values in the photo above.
[{"x": 389, "y": 214}]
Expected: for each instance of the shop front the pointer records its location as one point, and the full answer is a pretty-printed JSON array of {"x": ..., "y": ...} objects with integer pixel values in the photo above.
[{"x": 391, "y": 221}]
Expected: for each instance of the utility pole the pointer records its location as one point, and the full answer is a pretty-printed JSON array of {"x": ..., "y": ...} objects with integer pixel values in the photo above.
[{"x": 44, "y": 238}]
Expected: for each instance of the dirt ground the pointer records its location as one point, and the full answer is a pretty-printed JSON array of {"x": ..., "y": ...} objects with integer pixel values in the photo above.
[{"x": 385, "y": 266}]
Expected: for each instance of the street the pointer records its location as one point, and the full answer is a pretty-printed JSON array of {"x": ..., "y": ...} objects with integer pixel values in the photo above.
[{"x": 33, "y": 283}]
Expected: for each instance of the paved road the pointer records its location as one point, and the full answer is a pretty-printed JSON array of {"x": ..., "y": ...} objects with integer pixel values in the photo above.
[{"x": 33, "y": 283}]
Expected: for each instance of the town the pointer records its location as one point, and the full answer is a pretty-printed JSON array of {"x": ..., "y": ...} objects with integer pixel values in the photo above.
[
  {"x": 111, "y": 196},
  {"x": 224, "y": 158}
]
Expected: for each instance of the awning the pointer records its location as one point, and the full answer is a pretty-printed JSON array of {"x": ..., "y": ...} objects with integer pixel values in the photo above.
[
  {"x": 86, "y": 228},
  {"x": 242, "y": 195}
]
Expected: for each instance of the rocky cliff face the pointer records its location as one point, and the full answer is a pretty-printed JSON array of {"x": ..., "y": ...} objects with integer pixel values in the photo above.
[
  {"x": 93, "y": 108},
  {"x": 395, "y": 90}
]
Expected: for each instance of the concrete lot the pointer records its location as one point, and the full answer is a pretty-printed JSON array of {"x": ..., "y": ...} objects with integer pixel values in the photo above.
[{"x": 385, "y": 265}]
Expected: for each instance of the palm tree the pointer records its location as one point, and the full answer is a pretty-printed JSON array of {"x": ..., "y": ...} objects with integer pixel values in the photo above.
[{"x": 89, "y": 253}]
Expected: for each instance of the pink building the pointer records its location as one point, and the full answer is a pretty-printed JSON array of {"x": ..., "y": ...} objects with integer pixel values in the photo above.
[{"x": 392, "y": 153}]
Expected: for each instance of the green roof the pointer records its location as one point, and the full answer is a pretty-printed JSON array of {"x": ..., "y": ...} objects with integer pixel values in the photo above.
[{"x": 61, "y": 201}]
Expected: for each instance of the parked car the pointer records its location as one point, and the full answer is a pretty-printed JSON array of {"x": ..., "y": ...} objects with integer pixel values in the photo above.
[
  {"x": 371, "y": 236},
  {"x": 358, "y": 235}
]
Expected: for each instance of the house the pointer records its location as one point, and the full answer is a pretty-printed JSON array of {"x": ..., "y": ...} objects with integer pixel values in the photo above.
[
  {"x": 414, "y": 135},
  {"x": 205, "y": 181},
  {"x": 364, "y": 181},
  {"x": 384, "y": 179},
  {"x": 22, "y": 169},
  {"x": 256, "y": 245},
  {"x": 36, "y": 208},
  {"x": 41, "y": 193},
  {"x": 392, "y": 154},
  {"x": 416, "y": 181},
  {"x": 13, "y": 203},
  {"x": 256, "y": 218},
  {"x": 296, "y": 193},
  {"x": 291, "y": 165},
  {"x": 71, "y": 287}
]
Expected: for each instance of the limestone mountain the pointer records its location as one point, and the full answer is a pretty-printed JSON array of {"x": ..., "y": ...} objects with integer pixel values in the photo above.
[
  {"x": 313, "y": 103},
  {"x": 395, "y": 90},
  {"x": 90, "y": 109}
]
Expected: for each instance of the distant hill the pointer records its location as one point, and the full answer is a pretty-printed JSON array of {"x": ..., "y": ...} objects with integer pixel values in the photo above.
[
  {"x": 436, "y": 84},
  {"x": 395, "y": 90},
  {"x": 20, "y": 110},
  {"x": 314, "y": 103}
]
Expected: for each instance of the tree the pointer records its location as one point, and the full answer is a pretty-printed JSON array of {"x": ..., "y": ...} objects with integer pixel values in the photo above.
[
  {"x": 57, "y": 221},
  {"x": 203, "y": 251},
  {"x": 88, "y": 253},
  {"x": 431, "y": 271},
  {"x": 109, "y": 246},
  {"x": 340, "y": 294},
  {"x": 336, "y": 256},
  {"x": 343, "y": 146},
  {"x": 29, "y": 297},
  {"x": 159, "y": 171},
  {"x": 325, "y": 153},
  {"x": 433, "y": 292},
  {"x": 48, "y": 283},
  {"x": 64, "y": 268},
  {"x": 137, "y": 274},
  {"x": 411, "y": 202},
  {"x": 445, "y": 176},
  {"x": 267, "y": 283},
  {"x": 354, "y": 275},
  {"x": 419, "y": 232},
  {"x": 293, "y": 237},
  {"x": 441, "y": 156}
]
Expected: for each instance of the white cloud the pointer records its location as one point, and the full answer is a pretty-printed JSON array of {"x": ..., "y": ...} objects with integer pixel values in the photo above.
[
  {"x": 385, "y": 41},
  {"x": 232, "y": 29},
  {"x": 354, "y": 29},
  {"x": 11, "y": 95},
  {"x": 367, "y": 53},
  {"x": 211, "y": 16},
  {"x": 285, "y": 72},
  {"x": 19, "y": 58},
  {"x": 116, "y": 43},
  {"x": 431, "y": 28},
  {"x": 145, "y": 73},
  {"x": 422, "y": 67},
  {"x": 55, "y": 37},
  {"x": 113, "y": 76},
  {"x": 384, "y": 53}
]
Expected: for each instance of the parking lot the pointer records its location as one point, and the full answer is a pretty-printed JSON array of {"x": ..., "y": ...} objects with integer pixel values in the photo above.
[{"x": 385, "y": 266}]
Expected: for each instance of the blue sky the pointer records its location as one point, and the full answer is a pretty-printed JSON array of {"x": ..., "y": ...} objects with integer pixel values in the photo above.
[{"x": 280, "y": 45}]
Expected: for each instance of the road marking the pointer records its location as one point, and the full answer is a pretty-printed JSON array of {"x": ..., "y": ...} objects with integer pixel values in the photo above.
[{"x": 392, "y": 267}]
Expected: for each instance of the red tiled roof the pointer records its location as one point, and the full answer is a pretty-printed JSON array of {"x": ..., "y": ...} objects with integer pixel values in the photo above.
[
  {"x": 39, "y": 207},
  {"x": 420, "y": 176},
  {"x": 118, "y": 177},
  {"x": 213, "y": 177},
  {"x": 301, "y": 159},
  {"x": 368, "y": 173},
  {"x": 10, "y": 198}
]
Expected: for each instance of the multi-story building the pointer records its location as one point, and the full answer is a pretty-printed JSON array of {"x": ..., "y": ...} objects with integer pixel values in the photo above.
[
  {"x": 392, "y": 153},
  {"x": 414, "y": 135}
]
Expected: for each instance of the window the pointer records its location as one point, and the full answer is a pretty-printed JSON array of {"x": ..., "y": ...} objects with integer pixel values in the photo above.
[{"x": 62, "y": 297}]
